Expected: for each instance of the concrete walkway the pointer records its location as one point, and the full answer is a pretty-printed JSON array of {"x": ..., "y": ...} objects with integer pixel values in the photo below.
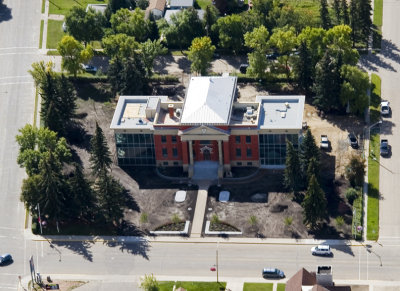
[
  {"x": 45, "y": 18},
  {"x": 200, "y": 209}
]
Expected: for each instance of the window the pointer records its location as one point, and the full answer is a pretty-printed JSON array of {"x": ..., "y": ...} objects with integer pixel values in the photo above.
[
  {"x": 174, "y": 152},
  {"x": 248, "y": 139},
  {"x": 176, "y": 164},
  {"x": 238, "y": 153},
  {"x": 239, "y": 163},
  {"x": 248, "y": 153},
  {"x": 249, "y": 163},
  {"x": 164, "y": 152},
  {"x": 135, "y": 149},
  {"x": 163, "y": 139},
  {"x": 237, "y": 138},
  {"x": 173, "y": 139},
  {"x": 165, "y": 163}
]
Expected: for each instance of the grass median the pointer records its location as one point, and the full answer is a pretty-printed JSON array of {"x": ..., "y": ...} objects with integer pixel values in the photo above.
[
  {"x": 373, "y": 163},
  {"x": 54, "y": 33},
  {"x": 281, "y": 287},
  {"x": 258, "y": 287},
  {"x": 63, "y": 6}
]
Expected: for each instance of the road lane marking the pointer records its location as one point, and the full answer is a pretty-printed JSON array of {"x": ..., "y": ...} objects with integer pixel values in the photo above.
[
  {"x": 11, "y": 77},
  {"x": 11, "y": 54}
]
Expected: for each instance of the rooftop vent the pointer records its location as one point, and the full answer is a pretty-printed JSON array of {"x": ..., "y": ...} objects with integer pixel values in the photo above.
[
  {"x": 141, "y": 122},
  {"x": 283, "y": 114},
  {"x": 287, "y": 104},
  {"x": 178, "y": 112},
  {"x": 171, "y": 110}
]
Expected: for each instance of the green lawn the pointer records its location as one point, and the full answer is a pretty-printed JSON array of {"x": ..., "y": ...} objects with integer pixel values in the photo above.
[
  {"x": 373, "y": 188},
  {"x": 54, "y": 33},
  {"x": 378, "y": 7},
  {"x": 41, "y": 33},
  {"x": 308, "y": 8},
  {"x": 258, "y": 286},
  {"x": 281, "y": 287},
  {"x": 203, "y": 3},
  {"x": 192, "y": 286},
  {"x": 63, "y": 6},
  {"x": 43, "y": 5},
  {"x": 373, "y": 165}
]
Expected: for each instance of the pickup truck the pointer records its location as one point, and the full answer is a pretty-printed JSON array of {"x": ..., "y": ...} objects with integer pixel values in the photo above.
[{"x": 324, "y": 144}]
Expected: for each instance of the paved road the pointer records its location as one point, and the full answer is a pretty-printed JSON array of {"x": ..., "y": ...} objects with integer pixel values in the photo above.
[
  {"x": 19, "y": 34},
  {"x": 195, "y": 259},
  {"x": 390, "y": 167}
]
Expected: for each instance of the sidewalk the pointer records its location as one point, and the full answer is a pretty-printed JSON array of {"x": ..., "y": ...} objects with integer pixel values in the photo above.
[{"x": 130, "y": 282}]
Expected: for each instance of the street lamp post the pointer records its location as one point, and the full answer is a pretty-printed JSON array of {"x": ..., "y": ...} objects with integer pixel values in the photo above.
[
  {"x": 40, "y": 219},
  {"x": 371, "y": 126},
  {"x": 217, "y": 260}
]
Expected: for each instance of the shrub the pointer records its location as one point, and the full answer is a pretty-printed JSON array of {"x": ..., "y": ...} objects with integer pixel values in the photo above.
[
  {"x": 339, "y": 221},
  {"x": 175, "y": 218},
  {"x": 144, "y": 218},
  {"x": 351, "y": 195},
  {"x": 215, "y": 218},
  {"x": 288, "y": 220},
  {"x": 253, "y": 220}
]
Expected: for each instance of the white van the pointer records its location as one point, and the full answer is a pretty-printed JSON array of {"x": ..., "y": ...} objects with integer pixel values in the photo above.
[{"x": 321, "y": 250}]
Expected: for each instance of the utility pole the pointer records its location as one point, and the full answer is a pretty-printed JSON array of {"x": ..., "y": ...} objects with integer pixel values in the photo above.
[{"x": 217, "y": 261}]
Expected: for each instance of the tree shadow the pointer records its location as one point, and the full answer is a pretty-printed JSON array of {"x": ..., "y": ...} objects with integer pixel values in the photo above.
[
  {"x": 97, "y": 91},
  {"x": 78, "y": 247},
  {"x": 372, "y": 62},
  {"x": 161, "y": 62},
  {"x": 184, "y": 65},
  {"x": 138, "y": 247},
  {"x": 390, "y": 50},
  {"x": 5, "y": 13}
]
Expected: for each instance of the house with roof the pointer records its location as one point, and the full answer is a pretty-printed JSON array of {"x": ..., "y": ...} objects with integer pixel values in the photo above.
[
  {"x": 156, "y": 8},
  {"x": 321, "y": 280},
  {"x": 97, "y": 7},
  {"x": 210, "y": 125}
]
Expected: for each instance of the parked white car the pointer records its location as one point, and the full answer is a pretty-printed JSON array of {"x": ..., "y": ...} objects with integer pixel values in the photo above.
[
  {"x": 324, "y": 144},
  {"x": 385, "y": 108},
  {"x": 321, "y": 250}
]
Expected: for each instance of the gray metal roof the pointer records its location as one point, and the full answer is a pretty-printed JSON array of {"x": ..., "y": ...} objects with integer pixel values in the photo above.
[
  {"x": 281, "y": 112},
  {"x": 209, "y": 100},
  {"x": 170, "y": 12},
  {"x": 97, "y": 7},
  {"x": 181, "y": 3}
]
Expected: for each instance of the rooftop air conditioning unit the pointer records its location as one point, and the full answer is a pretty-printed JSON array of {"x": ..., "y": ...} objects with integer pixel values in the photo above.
[{"x": 287, "y": 104}]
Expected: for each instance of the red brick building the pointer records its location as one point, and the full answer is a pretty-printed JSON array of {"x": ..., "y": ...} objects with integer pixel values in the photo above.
[{"x": 209, "y": 125}]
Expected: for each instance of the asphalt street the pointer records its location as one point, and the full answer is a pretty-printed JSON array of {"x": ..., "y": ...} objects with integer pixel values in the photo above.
[
  {"x": 389, "y": 175},
  {"x": 19, "y": 34}
]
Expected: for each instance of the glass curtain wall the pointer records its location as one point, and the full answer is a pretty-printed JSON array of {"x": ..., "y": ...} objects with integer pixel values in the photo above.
[
  {"x": 135, "y": 149},
  {"x": 273, "y": 148}
]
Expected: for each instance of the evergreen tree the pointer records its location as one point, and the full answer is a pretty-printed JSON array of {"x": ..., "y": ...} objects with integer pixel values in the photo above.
[
  {"x": 365, "y": 11},
  {"x": 327, "y": 83},
  {"x": 345, "y": 12},
  {"x": 100, "y": 156},
  {"x": 354, "y": 21},
  {"x": 110, "y": 195},
  {"x": 314, "y": 204},
  {"x": 324, "y": 14},
  {"x": 313, "y": 168},
  {"x": 308, "y": 150},
  {"x": 82, "y": 199},
  {"x": 292, "y": 178},
  {"x": 338, "y": 11},
  {"x": 114, "y": 5},
  {"x": 303, "y": 68},
  {"x": 67, "y": 100}
]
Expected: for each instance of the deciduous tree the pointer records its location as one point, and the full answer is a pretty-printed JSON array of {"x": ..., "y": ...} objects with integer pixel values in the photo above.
[
  {"x": 114, "y": 5},
  {"x": 355, "y": 171},
  {"x": 130, "y": 23},
  {"x": 120, "y": 45},
  {"x": 73, "y": 54},
  {"x": 149, "y": 51},
  {"x": 257, "y": 40},
  {"x": 354, "y": 89},
  {"x": 230, "y": 32},
  {"x": 200, "y": 54}
]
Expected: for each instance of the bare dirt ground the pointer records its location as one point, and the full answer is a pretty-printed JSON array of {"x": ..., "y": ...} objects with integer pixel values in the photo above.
[{"x": 155, "y": 196}]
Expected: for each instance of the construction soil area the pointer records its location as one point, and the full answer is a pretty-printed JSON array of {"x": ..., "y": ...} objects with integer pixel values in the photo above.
[{"x": 277, "y": 214}]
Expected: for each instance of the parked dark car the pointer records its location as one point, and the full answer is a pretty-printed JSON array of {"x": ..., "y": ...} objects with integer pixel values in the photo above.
[
  {"x": 385, "y": 147},
  {"x": 353, "y": 140},
  {"x": 6, "y": 258},
  {"x": 89, "y": 68},
  {"x": 272, "y": 56},
  {"x": 243, "y": 68},
  {"x": 272, "y": 273}
]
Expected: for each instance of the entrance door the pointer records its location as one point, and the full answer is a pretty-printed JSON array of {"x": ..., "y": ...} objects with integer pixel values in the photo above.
[{"x": 206, "y": 155}]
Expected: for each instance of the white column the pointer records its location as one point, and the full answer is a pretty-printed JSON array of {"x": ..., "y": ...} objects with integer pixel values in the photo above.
[
  {"x": 220, "y": 152},
  {"x": 190, "y": 153}
]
